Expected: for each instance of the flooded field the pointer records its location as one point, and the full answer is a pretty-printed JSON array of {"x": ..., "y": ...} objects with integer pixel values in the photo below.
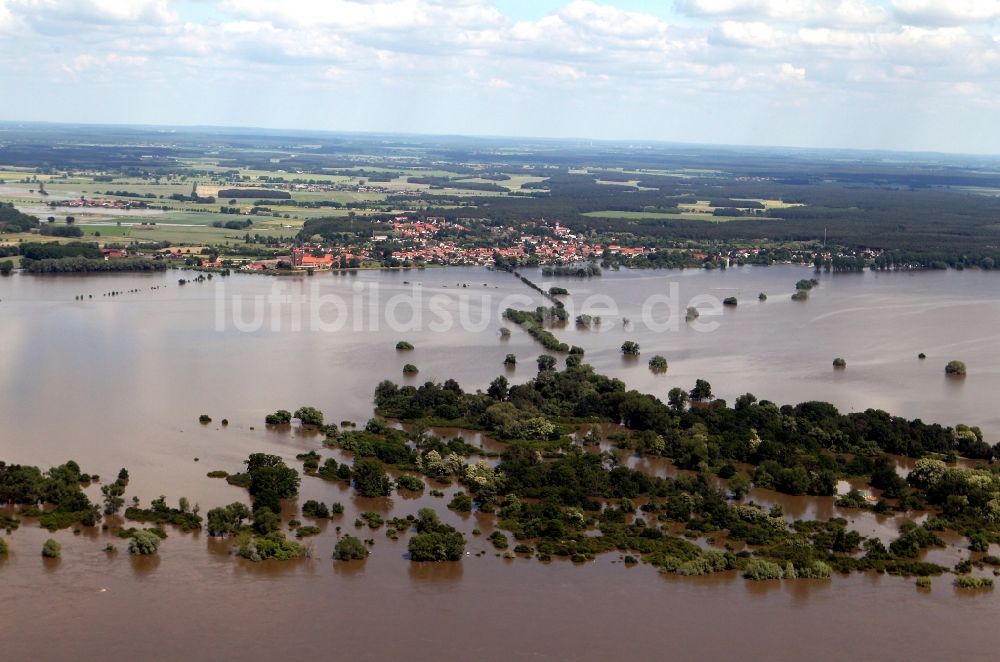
[{"x": 120, "y": 381}]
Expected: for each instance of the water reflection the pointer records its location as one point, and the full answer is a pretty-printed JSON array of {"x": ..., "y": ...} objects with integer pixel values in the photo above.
[
  {"x": 143, "y": 564},
  {"x": 433, "y": 573}
]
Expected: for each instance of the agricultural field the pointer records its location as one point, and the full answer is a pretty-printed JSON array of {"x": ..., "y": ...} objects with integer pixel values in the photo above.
[{"x": 928, "y": 212}]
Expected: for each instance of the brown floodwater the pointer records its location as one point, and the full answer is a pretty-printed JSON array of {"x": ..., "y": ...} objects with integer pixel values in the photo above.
[{"x": 120, "y": 381}]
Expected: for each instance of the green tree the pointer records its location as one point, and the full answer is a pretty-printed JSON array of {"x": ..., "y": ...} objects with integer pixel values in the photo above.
[
  {"x": 227, "y": 519},
  {"x": 265, "y": 521},
  {"x": 658, "y": 364},
  {"x": 280, "y": 417},
  {"x": 280, "y": 480},
  {"x": 370, "y": 479},
  {"x": 114, "y": 494},
  {"x": 630, "y": 348},
  {"x": 546, "y": 362},
  {"x": 702, "y": 391},
  {"x": 434, "y": 540},
  {"x": 309, "y": 416},
  {"x": 498, "y": 388},
  {"x": 677, "y": 398}
]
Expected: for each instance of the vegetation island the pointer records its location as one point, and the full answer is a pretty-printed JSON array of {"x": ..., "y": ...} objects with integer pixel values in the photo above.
[{"x": 562, "y": 486}]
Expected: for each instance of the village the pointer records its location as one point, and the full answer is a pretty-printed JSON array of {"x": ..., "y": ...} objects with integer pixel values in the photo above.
[{"x": 407, "y": 241}]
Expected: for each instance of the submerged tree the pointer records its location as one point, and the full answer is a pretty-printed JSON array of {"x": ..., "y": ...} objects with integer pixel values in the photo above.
[
  {"x": 143, "y": 543},
  {"x": 51, "y": 549},
  {"x": 350, "y": 548},
  {"x": 658, "y": 364},
  {"x": 956, "y": 368},
  {"x": 370, "y": 479},
  {"x": 309, "y": 416}
]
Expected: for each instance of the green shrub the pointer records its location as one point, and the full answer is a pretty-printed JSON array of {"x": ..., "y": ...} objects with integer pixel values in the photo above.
[
  {"x": 143, "y": 543},
  {"x": 350, "y": 548},
  {"x": 307, "y": 531},
  {"x": 272, "y": 546},
  {"x": 461, "y": 502},
  {"x": 412, "y": 483},
  {"x": 968, "y": 581},
  {"x": 315, "y": 510},
  {"x": 956, "y": 368},
  {"x": 499, "y": 540},
  {"x": 759, "y": 569},
  {"x": 51, "y": 549},
  {"x": 373, "y": 520},
  {"x": 280, "y": 417}
]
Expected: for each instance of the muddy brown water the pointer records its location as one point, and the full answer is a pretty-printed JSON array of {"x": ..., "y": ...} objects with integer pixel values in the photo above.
[{"x": 120, "y": 381}]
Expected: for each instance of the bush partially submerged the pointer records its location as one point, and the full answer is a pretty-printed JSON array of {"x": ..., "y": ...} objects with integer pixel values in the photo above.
[{"x": 350, "y": 548}]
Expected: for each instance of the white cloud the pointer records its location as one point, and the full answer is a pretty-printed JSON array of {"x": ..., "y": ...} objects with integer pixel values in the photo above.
[
  {"x": 829, "y": 12},
  {"x": 586, "y": 53},
  {"x": 151, "y": 12},
  {"x": 366, "y": 16},
  {"x": 791, "y": 72},
  {"x": 946, "y": 12},
  {"x": 749, "y": 35}
]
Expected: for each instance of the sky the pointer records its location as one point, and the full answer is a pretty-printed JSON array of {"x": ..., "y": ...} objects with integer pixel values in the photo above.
[{"x": 919, "y": 75}]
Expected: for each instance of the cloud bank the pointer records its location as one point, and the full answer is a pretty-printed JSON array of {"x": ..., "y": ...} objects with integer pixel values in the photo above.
[{"x": 908, "y": 74}]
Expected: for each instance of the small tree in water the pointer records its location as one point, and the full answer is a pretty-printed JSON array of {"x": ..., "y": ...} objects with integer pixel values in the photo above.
[
  {"x": 144, "y": 543},
  {"x": 956, "y": 368},
  {"x": 350, "y": 548}
]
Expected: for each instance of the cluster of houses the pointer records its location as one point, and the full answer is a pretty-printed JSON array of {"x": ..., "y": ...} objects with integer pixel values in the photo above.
[
  {"x": 438, "y": 241},
  {"x": 102, "y": 203}
]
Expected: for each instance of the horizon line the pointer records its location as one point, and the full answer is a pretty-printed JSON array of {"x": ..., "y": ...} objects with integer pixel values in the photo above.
[{"x": 499, "y": 137}]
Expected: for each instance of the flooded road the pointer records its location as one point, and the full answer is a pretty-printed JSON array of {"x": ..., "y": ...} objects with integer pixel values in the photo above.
[{"x": 119, "y": 381}]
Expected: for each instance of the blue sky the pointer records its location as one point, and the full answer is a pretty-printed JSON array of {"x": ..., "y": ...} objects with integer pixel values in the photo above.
[{"x": 896, "y": 74}]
